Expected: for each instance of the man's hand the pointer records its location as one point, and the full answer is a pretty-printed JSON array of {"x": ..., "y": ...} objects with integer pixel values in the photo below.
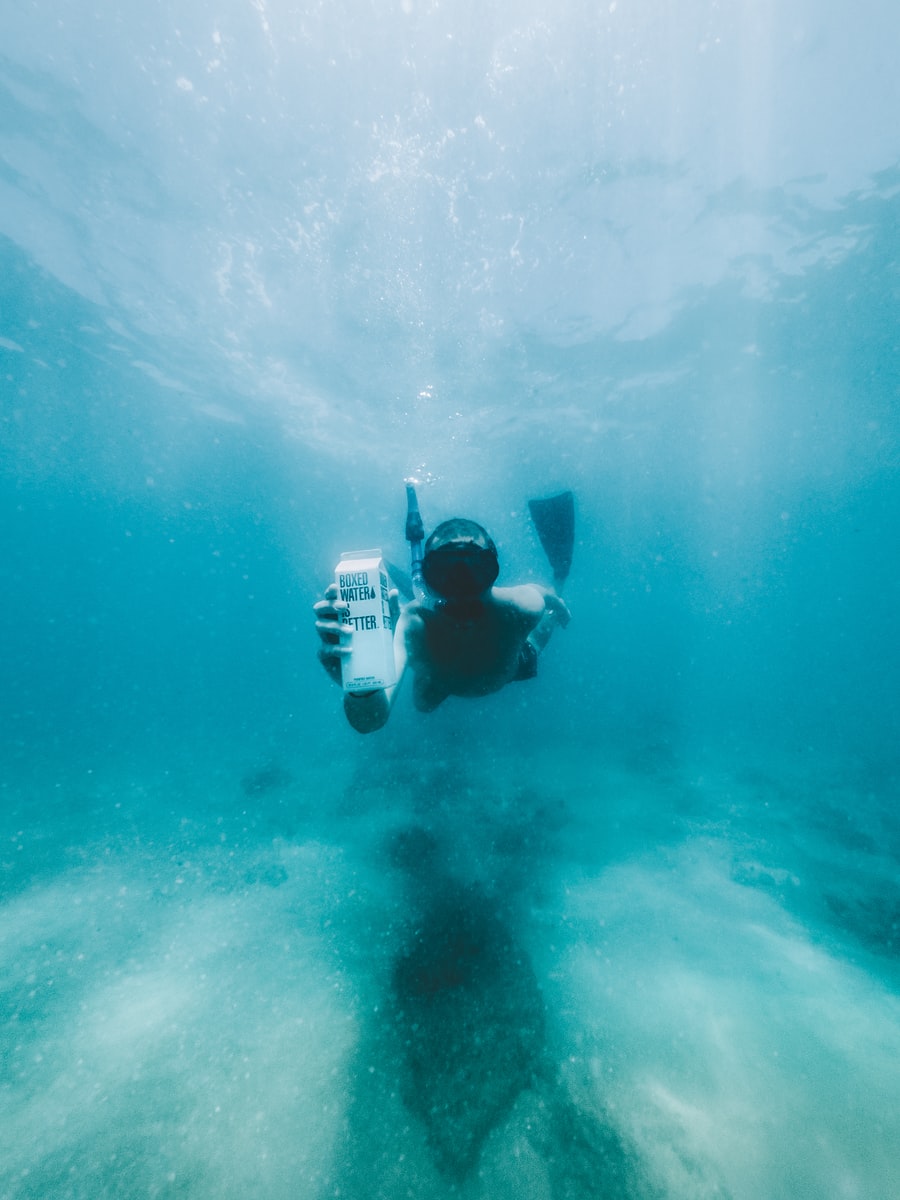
[
  {"x": 415, "y": 634},
  {"x": 559, "y": 608},
  {"x": 334, "y": 634}
]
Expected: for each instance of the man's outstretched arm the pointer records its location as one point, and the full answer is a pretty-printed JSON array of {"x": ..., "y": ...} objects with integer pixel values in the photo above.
[
  {"x": 365, "y": 711},
  {"x": 556, "y": 613}
]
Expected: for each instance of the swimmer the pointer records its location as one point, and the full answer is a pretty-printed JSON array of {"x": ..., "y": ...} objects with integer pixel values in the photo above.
[{"x": 465, "y": 637}]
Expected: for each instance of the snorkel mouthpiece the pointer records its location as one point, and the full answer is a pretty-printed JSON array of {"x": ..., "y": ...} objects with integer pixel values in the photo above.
[{"x": 460, "y": 560}]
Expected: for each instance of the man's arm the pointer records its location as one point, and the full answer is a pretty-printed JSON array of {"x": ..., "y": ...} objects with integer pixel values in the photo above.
[
  {"x": 366, "y": 711},
  {"x": 555, "y": 614}
]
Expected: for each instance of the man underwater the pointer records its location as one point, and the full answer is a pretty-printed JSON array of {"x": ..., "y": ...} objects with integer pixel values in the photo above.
[{"x": 470, "y": 640}]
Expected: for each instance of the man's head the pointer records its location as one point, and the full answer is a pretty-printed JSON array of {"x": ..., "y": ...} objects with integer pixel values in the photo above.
[{"x": 460, "y": 560}]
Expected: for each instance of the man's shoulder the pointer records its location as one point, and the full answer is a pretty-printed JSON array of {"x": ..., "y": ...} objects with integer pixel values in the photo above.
[{"x": 526, "y": 598}]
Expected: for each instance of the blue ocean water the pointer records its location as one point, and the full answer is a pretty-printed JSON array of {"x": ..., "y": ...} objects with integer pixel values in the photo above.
[{"x": 627, "y": 930}]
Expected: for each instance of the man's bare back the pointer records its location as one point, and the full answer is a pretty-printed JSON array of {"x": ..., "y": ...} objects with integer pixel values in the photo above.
[{"x": 469, "y": 651}]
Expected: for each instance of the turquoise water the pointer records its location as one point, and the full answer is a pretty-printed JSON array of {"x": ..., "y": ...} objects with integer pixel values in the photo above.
[{"x": 628, "y": 930}]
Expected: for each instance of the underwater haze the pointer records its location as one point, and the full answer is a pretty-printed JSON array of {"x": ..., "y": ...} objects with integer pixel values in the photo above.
[{"x": 625, "y": 931}]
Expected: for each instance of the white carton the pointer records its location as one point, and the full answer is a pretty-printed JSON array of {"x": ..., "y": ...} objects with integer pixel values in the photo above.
[{"x": 362, "y": 583}]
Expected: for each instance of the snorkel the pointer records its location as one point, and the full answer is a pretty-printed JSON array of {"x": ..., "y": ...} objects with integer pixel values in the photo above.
[
  {"x": 455, "y": 568},
  {"x": 415, "y": 535}
]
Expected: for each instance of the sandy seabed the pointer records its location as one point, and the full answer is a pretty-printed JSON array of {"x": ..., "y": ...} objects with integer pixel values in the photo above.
[{"x": 627, "y": 976}]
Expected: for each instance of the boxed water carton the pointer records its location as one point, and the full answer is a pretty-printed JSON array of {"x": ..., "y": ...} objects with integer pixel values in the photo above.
[{"x": 362, "y": 582}]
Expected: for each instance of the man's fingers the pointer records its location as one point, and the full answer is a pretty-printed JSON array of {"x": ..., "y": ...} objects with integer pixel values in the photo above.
[
  {"x": 329, "y": 613},
  {"x": 326, "y": 613},
  {"x": 333, "y": 633},
  {"x": 559, "y": 608},
  {"x": 322, "y": 607},
  {"x": 328, "y": 651},
  {"x": 330, "y": 625}
]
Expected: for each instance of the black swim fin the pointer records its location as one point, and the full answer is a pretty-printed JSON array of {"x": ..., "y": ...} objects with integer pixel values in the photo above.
[{"x": 554, "y": 520}]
